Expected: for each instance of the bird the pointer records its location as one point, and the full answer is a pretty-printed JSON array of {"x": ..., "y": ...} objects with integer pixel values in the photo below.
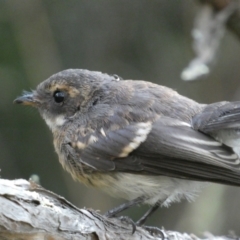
[{"x": 138, "y": 140}]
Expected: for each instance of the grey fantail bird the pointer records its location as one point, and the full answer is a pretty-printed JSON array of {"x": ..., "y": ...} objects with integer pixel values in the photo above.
[{"x": 138, "y": 140}]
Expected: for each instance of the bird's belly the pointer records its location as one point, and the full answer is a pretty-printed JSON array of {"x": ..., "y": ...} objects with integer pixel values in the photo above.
[
  {"x": 129, "y": 186},
  {"x": 153, "y": 188}
]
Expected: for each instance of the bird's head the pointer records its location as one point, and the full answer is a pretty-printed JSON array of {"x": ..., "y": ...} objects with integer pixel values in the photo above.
[{"x": 65, "y": 94}]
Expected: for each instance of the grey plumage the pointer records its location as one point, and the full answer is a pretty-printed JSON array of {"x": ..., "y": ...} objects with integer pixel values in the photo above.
[{"x": 138, "y": 139}]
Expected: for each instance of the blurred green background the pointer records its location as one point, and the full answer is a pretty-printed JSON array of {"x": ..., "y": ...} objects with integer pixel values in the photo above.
[{"x": 137, "y": 39}]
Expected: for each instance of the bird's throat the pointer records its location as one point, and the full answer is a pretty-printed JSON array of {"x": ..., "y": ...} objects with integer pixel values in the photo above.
[{"x": 54, "y": 122}]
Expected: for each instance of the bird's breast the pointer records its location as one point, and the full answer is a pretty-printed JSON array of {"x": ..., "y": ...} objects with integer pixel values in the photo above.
[
  {"x": 71, "y": 160},
  {"x": 162, "y": 189},
  {"x": 130, "y": 186}
]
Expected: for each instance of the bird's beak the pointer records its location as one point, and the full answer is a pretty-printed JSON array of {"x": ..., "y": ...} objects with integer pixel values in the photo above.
[{"x": 27, "y": 98}]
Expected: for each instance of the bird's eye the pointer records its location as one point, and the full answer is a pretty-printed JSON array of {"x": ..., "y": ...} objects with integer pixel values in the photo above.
[{"x": 59, "y": 96}]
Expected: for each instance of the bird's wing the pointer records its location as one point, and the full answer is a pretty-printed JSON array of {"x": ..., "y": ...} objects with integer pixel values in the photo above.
[
  {"x": 218, "y": 116},
  {"x": 174, "y": 149},
  {"x": 104, "y": 146},
  {"x": 166, "y": 147}
]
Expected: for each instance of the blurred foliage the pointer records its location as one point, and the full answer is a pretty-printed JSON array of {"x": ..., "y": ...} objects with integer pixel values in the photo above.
[{"x": 137, "y": 39}]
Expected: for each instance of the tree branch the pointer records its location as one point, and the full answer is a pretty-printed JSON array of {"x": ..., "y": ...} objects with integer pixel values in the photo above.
[
  {"x": 29, "y": 211},
  {"x": 233, "y": 22},
  {"x": 209, "y": 28}
]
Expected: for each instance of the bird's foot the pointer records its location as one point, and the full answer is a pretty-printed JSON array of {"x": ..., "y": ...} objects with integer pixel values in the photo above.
[
  {"x": 128, "y": 220},
  {"x": 155, "y": 231},
  {"x": 124, "y": 219}
]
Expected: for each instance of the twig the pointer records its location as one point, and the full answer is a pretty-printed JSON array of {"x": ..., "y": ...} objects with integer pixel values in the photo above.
[{"x": 207, "y": 33}]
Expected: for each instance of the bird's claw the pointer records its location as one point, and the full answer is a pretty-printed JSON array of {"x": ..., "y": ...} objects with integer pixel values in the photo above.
[
  {"x": 128, "y": 220},
  {"x": 155, "y": 231},
  {"x": 123, "y": 219}
]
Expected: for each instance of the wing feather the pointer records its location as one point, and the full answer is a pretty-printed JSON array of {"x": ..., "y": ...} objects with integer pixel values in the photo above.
[
  {"x": 167, "y": 147},
  {"x": 218, "y": 116}
]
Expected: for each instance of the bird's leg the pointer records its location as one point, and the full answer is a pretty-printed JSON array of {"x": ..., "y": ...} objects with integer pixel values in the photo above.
[
  {"x": 144, "y": 218},
  {"x": 124, "y": 206},
  {"x": 153, "y": 230}
]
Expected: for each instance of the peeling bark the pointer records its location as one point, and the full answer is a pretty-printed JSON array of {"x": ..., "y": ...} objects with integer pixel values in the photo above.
[{"x": 29, "y": 211}]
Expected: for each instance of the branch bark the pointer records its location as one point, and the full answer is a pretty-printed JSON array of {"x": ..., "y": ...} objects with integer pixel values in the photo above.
[{"x": 29, "y": 211}]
